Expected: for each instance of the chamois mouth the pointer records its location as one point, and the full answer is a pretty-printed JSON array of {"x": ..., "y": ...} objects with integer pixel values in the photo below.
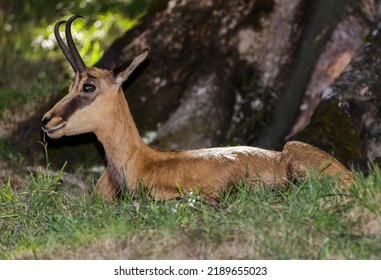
[{"x": 50, "y": 131}]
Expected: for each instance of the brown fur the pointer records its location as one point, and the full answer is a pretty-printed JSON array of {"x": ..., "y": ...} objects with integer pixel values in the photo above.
[{"x": 209, "y": 170}]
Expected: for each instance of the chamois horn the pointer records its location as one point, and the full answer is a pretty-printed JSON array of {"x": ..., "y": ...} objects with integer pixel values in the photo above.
[
  {"x": 73, "y": 49},
  {"x": 63, "y": 47},
  {"x": 71, "y": 53}
]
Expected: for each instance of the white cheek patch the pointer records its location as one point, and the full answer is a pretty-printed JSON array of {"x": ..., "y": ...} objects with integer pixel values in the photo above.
[{"x": 231, "y": 153}]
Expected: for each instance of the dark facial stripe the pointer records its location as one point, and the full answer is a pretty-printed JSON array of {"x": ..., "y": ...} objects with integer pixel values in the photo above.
[{"x": 78, "y": 102}]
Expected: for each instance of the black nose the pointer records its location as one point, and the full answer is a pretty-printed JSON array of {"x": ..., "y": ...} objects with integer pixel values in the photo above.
[{"x": 45, "y": 121}]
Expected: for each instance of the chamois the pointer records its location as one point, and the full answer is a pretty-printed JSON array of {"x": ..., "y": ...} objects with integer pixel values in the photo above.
[{"x": 96, "y": 103}]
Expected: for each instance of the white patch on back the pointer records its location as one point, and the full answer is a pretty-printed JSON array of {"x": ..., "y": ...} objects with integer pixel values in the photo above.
[{"x": 231, "y": 153}]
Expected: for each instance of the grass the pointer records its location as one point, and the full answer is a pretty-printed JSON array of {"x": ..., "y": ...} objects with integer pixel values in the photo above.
[
  {"x": 313, "y": 220},
  {"x": 40, "y": 218}
]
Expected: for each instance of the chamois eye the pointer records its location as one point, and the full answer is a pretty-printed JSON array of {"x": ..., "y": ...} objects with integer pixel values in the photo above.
[{"x": 88, "y": 88}]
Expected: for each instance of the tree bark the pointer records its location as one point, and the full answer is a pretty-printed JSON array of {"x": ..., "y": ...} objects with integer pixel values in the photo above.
[
  {"x": 348, "y": 118},
  {"x": 238, "y": 71}
]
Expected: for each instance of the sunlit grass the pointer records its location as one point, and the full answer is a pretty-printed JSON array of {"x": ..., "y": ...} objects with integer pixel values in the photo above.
[{"x": 313, "y": 220}]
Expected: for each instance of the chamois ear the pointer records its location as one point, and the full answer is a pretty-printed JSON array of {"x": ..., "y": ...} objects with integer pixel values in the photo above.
[{"x": 124, "y": 73}]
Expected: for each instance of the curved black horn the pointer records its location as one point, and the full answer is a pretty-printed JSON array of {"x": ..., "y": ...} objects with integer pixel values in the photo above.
[
  {"x": 62, "y": 45},
  {"x": 73, "y": 49}
]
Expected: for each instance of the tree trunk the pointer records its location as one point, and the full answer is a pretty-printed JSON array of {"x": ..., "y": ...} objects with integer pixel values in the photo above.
[
  {"x": 238, "y": 71},
  {"x": 348, "y": 118},
  {"x": 228, "y": 71}
]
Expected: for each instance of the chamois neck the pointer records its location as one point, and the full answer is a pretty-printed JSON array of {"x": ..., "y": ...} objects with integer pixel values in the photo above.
[{"x": 118, "y": 133}]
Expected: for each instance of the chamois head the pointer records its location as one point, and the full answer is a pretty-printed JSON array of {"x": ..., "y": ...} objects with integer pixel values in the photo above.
[{"x": 92, "y": 95}]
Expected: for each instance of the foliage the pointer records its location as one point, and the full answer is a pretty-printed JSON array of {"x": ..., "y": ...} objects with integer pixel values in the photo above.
[
  {"x": 313, "y": 220},
  {"x": 28, "y": 47}
]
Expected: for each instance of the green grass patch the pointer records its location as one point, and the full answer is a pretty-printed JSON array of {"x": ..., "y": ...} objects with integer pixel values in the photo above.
[
  {"x": 313, "y": 220},
  {"x": 15, "y": 158}
]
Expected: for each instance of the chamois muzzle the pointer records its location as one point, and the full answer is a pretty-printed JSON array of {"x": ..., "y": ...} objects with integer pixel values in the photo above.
[
  {"x": 51, "y": 123},
  {"x": 45, "y": 121}
]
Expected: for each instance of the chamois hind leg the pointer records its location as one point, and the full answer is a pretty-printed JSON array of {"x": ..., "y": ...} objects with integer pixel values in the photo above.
[
  {"x": 105, "y": 187},
  {"x": 300, "y": 157}
]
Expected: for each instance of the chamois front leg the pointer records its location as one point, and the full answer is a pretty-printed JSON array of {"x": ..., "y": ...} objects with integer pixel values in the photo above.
[{"x": 105, "y": 187}]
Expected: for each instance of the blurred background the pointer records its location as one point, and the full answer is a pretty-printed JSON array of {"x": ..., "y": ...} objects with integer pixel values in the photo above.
[{"x": 239, "y": 72}]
